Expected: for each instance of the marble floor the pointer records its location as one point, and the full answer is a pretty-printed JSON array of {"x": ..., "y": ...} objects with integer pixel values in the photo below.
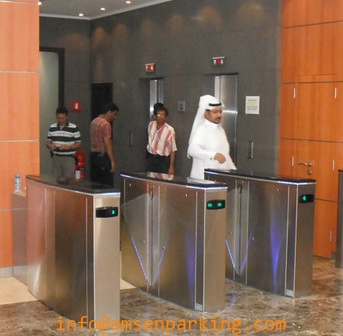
[{"x": 249, "y": 311}]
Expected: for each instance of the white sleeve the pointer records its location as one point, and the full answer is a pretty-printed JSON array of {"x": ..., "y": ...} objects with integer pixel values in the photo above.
[{"x": 197, "y": 146}]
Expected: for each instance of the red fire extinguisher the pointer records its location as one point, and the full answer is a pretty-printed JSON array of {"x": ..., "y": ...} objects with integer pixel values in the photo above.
[{"x": 80, "y": 166}]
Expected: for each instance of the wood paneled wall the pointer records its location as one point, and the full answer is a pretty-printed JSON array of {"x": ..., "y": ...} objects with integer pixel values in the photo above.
[
  {"x": 19, "y": 117},
  {"x": 311, "y": 113}
]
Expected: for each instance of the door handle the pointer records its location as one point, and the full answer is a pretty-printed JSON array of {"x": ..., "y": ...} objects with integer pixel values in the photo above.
[{"x": 308, "y": 164}]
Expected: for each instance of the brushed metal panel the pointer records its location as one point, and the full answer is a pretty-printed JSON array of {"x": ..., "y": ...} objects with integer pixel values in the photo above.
[
  {"x": 232, "y": 241},
  {"x": 40, "y": 227},
  {"x": 71, "y": 247},
  {"x": 225, "y": 89},
  {"x": 214, "y": 253},
  {"x": 135, "y": 219},
  {"x": 177, "y": 245},
  {"x": 303, "y": 245},
  {"x": 106, "y": 261},
  {"x": 50, "y": 213},
  {"x": 267, "y": 236},
  {"x": 235, "y": 232},
  {"x": 36, "y": 270},
  {"x": 156, "y": 93},
  {"x": 241, "y": 269},
  {"x": 177, "y": 259},
  {"x": 19, "y": 217},
  {"x": 155, "y": 213},
  {"x": 73, "y": 257}
]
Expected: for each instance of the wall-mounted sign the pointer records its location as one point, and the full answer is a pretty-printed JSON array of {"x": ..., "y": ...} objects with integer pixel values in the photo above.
[
  {"x": 218, "y": 61},
  {"x": 252, "y": 105},
  {"x": 150, "y": 67},
  {"x": 76, "y": 106}
]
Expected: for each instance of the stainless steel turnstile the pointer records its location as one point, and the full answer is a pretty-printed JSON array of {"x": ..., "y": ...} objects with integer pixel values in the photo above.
[
  {"x": 73, "y": 250},
  {"x": 172, "y": 238},
  {"x": 269, "y": 234},
  {"x": 19, "y": 236}
]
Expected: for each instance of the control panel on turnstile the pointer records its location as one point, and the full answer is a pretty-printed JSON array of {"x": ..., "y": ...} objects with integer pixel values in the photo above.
[
  {"x": 104, "y": 212},
  {"x": 215, "y": 204}
]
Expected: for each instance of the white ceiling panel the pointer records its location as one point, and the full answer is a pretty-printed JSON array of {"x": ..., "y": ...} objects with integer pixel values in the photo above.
[{"x": 91, "y": 9}]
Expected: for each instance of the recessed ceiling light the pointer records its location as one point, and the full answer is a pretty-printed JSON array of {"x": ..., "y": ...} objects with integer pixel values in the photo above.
[
  {"x": 128, "y": 2},
  {"x": 40, "y": 3},
  {"x": 80, "y": 14},
  {"x": 103, "y": 8}
]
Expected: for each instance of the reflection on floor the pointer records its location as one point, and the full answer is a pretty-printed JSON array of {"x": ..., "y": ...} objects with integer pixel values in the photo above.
[
  {"x": 321, "y": 313},
  {"x": 13, "y": 291}
]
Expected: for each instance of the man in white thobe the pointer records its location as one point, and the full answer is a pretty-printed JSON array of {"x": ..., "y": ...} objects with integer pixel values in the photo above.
[{"x": 208, "y": 144}]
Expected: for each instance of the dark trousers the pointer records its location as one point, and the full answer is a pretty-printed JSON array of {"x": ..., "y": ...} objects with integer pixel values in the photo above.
[
  {"x": 101, "y": 169},
  {"x": 157, "y": 163}
]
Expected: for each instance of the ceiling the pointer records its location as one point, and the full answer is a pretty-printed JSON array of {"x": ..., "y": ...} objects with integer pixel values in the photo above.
[{"x": 91, "y": 9}]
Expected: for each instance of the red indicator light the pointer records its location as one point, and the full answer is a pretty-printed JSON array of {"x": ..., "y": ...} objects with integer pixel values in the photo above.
[
  {"x": 150, "y": 67},
  {"x": 218, "y": 61},
  {"x": 76, "y": 106}
]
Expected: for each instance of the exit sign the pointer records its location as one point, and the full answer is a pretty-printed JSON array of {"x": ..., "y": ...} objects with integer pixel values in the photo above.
[
  {"x": 218, "y": 61},
  {"x": 150, "y": 67}
]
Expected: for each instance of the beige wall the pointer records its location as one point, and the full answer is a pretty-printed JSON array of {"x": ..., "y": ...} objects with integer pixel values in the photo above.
[{"x": 19, "y": 96}]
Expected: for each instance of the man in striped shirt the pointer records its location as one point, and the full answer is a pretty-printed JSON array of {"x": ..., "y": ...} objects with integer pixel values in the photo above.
[
  {"x": 161, "y": 146},
  {"x": 63, "y": 140}
]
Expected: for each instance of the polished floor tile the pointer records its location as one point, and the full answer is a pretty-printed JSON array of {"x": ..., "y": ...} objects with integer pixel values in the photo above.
[
  {"x": 13, "y": 291},
  {"x": 248, "y": 311}
]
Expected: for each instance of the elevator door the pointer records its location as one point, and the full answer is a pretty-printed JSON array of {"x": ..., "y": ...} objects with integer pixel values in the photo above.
[
  {"x": 50, "y": 88},
  {"x": 156, "y": 93}
]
